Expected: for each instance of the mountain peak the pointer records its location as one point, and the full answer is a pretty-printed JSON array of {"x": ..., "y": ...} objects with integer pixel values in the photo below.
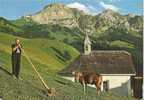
[
  {"x": 57, "y": 14},
  {"x": 110, "y": 15},
  {"x": 109, "y": 12},
  {"x": 54, "y": 5},
  {"x": 71, "y": 17},
  {"x": 131, "y": 15}
]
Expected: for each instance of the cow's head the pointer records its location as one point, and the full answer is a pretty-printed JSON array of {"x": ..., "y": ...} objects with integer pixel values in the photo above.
[{"x": 77, "y": 75}]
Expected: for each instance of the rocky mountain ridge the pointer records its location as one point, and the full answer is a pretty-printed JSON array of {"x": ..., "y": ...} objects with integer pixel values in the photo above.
[{"x": 71, "y": 17}]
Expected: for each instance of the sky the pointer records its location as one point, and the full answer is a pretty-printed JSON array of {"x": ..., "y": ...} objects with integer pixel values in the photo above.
[{"x": 14, "y": 9}]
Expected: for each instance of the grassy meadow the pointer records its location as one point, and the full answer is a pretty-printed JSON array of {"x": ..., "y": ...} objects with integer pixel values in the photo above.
[{"x": 49, "y": 56}]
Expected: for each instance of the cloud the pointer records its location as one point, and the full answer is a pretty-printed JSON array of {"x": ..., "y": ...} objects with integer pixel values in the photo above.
[
  {"x": 109, "y": 6},
  {"x": 114, "y": 0},
  {"x": 93, "y": 10},
  {"x": 89, "y": 9},
  {"x": 79, "y": 6}
]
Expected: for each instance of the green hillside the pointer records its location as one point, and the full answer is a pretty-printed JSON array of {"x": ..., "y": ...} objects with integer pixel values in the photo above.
[
  {"x": 70, "y": 36},
  {"x": 49, "y": 56},
  {"x": 8, "y": 27},
  {"x": 51, "y": 53},
  {"x": 52, "y": 47},
  {"x": 116, "y": 37}
]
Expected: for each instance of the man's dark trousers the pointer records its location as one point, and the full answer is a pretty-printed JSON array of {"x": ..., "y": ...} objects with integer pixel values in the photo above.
[{"x": 16, "y": 58}]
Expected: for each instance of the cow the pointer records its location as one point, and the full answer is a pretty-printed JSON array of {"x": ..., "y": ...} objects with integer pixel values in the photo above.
[{"x": 88, "y": 78}]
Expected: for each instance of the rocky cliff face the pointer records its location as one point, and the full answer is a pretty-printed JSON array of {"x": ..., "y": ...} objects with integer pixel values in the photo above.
[
  {"x": 70, "y": 17},
  {"x": 108, "y": 19},
  {"x": 57, "y": 14}
]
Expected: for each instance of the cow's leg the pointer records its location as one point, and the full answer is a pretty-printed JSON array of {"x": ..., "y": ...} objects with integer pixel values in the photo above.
[
  {"x": 97, "y": 88},
  {"x": 84, "y": 87},
  {"x": 100, "y": 85}
]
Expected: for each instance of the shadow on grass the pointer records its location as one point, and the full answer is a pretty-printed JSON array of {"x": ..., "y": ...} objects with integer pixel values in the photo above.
[
  {"x": 70, "y": 84},
  {"x": 4, "y": 70},
  {"x": 63, "y": 83}
]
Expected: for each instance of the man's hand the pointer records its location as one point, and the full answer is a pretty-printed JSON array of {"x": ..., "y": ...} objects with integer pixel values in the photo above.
[
  {"x": 16, "y": 47},
  {"x": 19, "y": 45}
]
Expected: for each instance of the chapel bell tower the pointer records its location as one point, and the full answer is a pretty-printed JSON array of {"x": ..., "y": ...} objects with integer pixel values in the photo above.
[{"x": 87, "y": 45}]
